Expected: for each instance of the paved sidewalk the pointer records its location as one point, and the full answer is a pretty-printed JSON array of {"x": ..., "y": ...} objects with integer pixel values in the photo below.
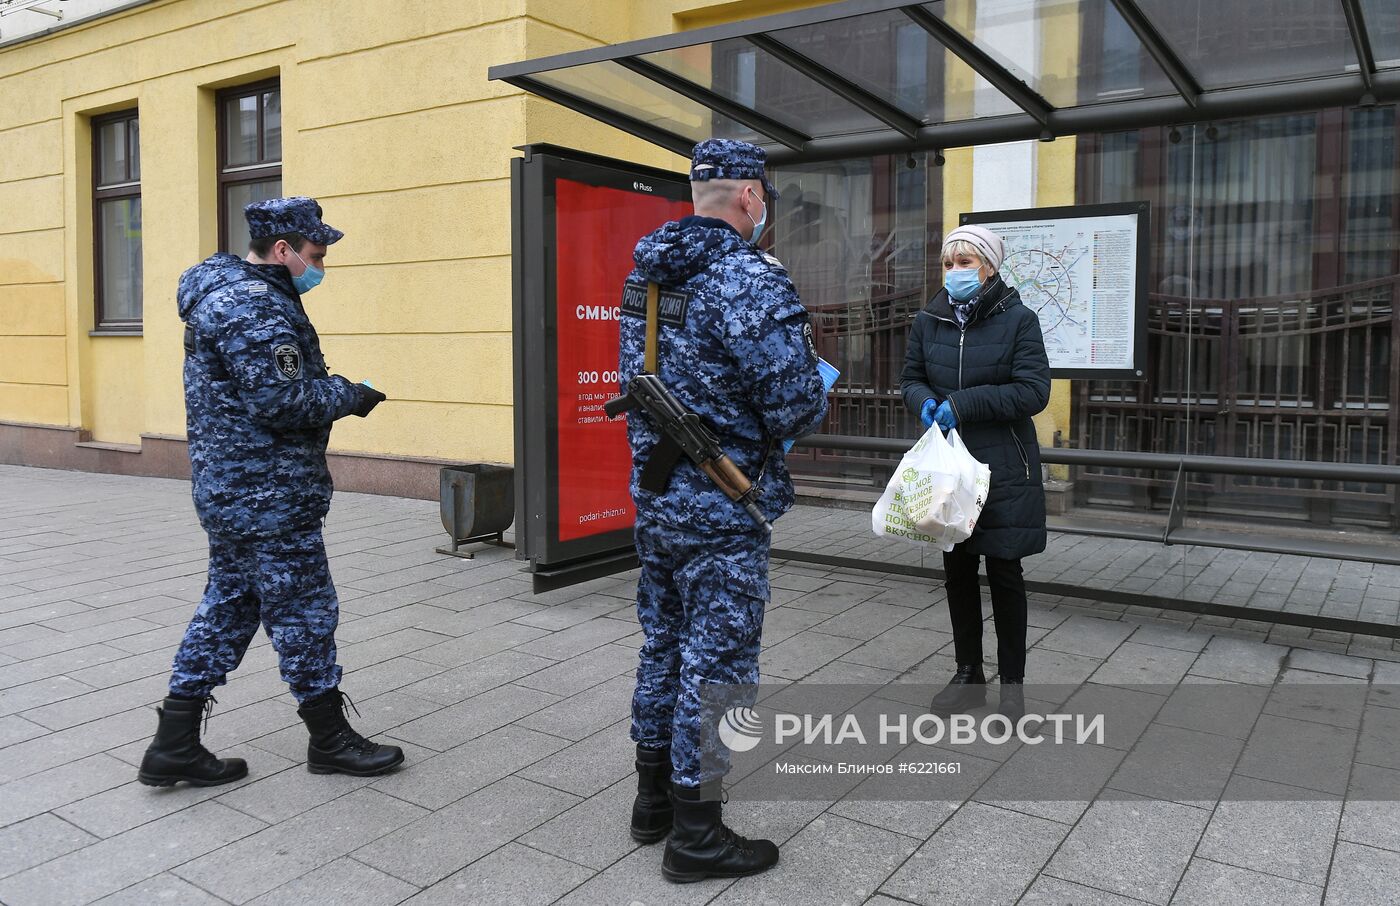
[
  {"x": 1307, "y": 585},
  {"x": 513, "y": 709}
]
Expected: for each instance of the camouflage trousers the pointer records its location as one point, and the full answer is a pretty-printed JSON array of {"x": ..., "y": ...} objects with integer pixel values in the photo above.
[
  {"x": 700, "y": 600},
  {"x": 283, "y": 584}
]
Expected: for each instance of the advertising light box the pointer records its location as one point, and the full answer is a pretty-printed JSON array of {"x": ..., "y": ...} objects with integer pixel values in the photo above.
[{"x": 576, "y": 218}]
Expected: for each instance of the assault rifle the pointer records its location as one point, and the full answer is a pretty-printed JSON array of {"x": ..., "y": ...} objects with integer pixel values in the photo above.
[{"x": 683, "y": 432}]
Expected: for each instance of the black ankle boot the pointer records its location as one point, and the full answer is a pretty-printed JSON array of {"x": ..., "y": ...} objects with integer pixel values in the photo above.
[
  {"x": 651, "y": 810},
  {"x": 176, "y": 753},
  {"x": 967, "y": 690},
  {"x": 701, "y": 846},
  {"x": 1012, "y": 704},
  {"x": 335, "y": 747}
]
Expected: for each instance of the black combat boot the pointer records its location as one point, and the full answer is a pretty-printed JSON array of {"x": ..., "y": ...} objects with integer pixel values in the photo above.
[
  {"x": 651, "y": 810},
  {"x": 967, "y": 690},
  {"x": 701, "y": 846},
  {"x": 335, "y": 747},
  {"x": 1012, "y": 704},
  {"x": 176, "y": 753}
]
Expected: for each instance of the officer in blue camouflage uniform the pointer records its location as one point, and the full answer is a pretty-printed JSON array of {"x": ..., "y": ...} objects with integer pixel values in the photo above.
[
  {"x": 259, "y": 405},
  {"x": 738, "y": 352}
]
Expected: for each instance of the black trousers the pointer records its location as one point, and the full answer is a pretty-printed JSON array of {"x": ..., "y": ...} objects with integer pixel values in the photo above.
[{"x": 1008, "y": 610}]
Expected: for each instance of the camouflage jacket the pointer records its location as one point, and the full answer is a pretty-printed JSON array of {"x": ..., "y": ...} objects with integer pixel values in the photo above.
[
  {"x": 735, "y": 346},
  {"x": 258, "y": 400}
]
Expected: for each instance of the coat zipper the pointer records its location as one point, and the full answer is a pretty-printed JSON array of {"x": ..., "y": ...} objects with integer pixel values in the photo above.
[
  {"x": 962, "y": 336},
  {"x": 1021, "y": 450}
]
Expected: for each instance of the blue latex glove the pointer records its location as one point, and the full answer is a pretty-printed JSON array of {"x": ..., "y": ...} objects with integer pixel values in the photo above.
[
  {"x": 926, "y": 413},
  {"x": 946, "y": 418}
]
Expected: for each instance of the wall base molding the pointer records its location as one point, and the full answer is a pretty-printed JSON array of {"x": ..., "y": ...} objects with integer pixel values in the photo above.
[{"x": 166, "y": 456}]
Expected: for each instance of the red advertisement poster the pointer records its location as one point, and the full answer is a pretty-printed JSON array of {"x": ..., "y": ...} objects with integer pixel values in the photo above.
[{"x": 597, "y": 228}]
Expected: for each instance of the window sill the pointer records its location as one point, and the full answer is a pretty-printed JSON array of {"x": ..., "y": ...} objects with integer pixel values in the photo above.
[{"x": 113, "y": 332}]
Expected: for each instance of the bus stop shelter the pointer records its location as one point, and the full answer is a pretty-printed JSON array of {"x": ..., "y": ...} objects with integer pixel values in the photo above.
[
  {"x": 802, "y": 85},
  {"x": 667, "y": 91}
]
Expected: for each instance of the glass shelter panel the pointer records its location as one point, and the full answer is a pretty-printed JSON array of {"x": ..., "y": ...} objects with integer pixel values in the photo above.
[
  {"x": 1273, "y": 334},
  {"x": 609, "y": 84},
  {"x": 1227, "y": 43},
  {"x": 1383, "y": 28},
  {"x": 893, "y": 58},
  {"x": 1273, "y": 326},
  {"x": 741, "y": 72},
  {"x": 1035, "y": 40},
  {"x": 860, "y": 239}
]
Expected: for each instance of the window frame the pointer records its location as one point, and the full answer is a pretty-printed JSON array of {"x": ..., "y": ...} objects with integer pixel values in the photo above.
[
  {"x": 108, "y": 192},
  {"x": 260, "y": 171}
]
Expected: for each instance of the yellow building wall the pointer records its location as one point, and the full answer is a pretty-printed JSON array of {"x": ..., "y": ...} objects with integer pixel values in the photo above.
[
  {"x": 33, "y": 375},
  {"x": 388, "y": 119},
  {"x": 115, "y": 387}
]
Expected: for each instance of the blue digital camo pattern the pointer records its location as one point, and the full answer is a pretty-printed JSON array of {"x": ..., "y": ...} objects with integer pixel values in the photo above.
[
  {"x": 743, "y": 361},
  {"x": 700, "y": 600},
  {"x": 284, "y": 583},
  {"x": 294, "y": 214},
  {"x": 258, "y": 401},
  {"x": 727, "y": 158}
]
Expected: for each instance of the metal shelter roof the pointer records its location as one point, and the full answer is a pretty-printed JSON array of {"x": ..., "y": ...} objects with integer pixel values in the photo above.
[{"x": 867, "y": 77}]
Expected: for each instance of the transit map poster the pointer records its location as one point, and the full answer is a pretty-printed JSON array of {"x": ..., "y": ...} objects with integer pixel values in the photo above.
[{"x": 1083, "y": 270}]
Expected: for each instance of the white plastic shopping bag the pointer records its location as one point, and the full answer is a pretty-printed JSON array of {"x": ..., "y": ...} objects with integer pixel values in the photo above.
[
  {"x": 936, "y": 495},
  {"x": 975, "y": 481},
  {"x": 920, "y": 502}
]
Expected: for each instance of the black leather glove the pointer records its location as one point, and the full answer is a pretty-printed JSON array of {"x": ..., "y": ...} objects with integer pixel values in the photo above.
[{"x": 369, "y": 398}]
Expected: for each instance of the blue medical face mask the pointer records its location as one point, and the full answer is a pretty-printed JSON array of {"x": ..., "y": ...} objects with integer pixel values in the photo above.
[
  {"x": 758, "y": 224},
  {"x": 962, "y": 283},
  {"x": 309, "y": 279}
]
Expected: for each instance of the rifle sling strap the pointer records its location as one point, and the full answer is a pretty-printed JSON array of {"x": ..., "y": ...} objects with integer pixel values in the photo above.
[
  {"x": 653, "y": 321},
  {"x": 664, "y": 456},
  {"x": 667, "y": 453}
]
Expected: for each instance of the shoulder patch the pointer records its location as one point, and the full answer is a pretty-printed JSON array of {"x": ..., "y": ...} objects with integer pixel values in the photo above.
[
  {"x": 634, "y": 300},
  {"x": 257, "y": 288},
  {"x": 287, "y": 358},
  {"x": 807, "y": 335},
  {"x": 672, "y": 304},
  {"x": 773, "y": 261}
]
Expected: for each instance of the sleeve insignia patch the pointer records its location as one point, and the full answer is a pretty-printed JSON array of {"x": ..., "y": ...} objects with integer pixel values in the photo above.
[{"x": 288, "y": 360}]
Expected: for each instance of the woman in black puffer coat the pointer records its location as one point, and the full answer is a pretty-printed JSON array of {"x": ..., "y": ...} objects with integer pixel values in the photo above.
[{"x": 976, "y": 362}]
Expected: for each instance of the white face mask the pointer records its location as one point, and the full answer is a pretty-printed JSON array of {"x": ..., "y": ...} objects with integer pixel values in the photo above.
[{"x": 758, "y": 224}]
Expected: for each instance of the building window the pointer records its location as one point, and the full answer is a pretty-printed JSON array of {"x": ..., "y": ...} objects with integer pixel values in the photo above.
[
  {"x": 116, "y": 174},
  {"x": 250, "y": 156}
]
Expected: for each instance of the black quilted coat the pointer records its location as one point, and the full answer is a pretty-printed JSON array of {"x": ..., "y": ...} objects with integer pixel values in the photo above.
[{"x": 997, "y": 376}]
